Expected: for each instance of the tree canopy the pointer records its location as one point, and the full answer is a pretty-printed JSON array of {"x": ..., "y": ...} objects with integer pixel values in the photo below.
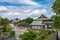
[
  {"x": 56, "y": 9},
  {"x": 7, "y": 29},
  {"x": 56, "y": 6},
  {"x": 4, "y": 22}
]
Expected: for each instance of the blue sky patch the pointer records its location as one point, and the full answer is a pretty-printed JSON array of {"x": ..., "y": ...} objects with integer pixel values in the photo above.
[{"x": 25, "y": 8}]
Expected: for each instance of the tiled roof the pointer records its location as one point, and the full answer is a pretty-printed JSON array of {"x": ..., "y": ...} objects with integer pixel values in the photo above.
[
  {"x": 41, "y": 19},
  {"x": 36, "y": 23}
]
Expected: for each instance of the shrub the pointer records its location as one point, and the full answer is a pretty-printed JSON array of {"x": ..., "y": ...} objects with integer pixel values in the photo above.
[
  {"x": 5, "y": 33},
  {"x": 12, "y": 33}
]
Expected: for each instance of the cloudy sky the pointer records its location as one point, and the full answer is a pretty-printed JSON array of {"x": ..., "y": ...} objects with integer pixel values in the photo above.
[{"x": 25, "y": 8}]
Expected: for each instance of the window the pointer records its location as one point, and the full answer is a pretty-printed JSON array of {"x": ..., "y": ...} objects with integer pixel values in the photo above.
[{"x": 37, "y": 27}]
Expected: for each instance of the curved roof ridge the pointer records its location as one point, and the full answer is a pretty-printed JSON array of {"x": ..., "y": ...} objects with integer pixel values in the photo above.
[{"x": 42, "y": 16}]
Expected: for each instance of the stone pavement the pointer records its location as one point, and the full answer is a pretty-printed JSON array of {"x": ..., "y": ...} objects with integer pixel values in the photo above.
[
  {"x": 59, "y": 35},
  {"x": 18, "y": 30},
  {"x": 53, "y": 36}
]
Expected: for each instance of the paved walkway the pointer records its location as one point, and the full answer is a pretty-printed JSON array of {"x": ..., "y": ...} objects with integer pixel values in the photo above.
[
  {"x": 59, "y": 35},
  {"x": 53, "y": 37}
]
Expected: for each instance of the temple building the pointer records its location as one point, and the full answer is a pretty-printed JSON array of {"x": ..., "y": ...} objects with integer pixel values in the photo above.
[{"x": 41, "y": 22}]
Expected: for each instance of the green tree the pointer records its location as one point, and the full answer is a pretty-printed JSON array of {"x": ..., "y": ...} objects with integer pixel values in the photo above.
[
  {"x": 56, "y": 9},
  {"x": 56, "y": 6},
  {"x": 29, "y": 20},
  {"x": 24, "y": 22},
  {"x": 4, "y": 22},
  {"x": 8, "y": 28},
  {"x": 0, "y": 20},
  {"x": 56, "y": 22}
]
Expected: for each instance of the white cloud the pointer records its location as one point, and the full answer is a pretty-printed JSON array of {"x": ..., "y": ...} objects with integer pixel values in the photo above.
[
  {"x": 21, "y": 12},
  {"x": 41, "y": 11},
  {"x": 14, "y": 12},
  {"x": 33, "y": 10},
  {"x": 2, "y": 8},
  {"x": 36, "y": 13}
]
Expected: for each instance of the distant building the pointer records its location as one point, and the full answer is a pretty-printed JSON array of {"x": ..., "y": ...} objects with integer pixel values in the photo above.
[{"x": 41, "y": 22}]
